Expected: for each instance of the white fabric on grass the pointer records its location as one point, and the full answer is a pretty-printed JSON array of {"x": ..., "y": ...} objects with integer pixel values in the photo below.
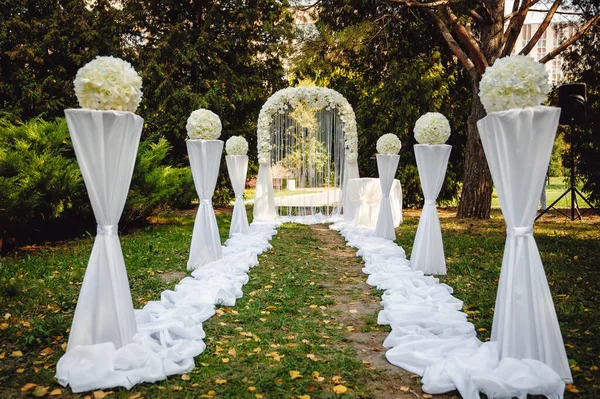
[
  {"x": 170, "y": 332},
  {"x": 428, "y": 248}
]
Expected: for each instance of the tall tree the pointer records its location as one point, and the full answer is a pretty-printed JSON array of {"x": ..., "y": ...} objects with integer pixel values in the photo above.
[
  {"x": 474, "y": 31},
  {"x": 42, "y": 45},
  {"x": 365, "y": 50},
  {"x": 221, "y": 55}
]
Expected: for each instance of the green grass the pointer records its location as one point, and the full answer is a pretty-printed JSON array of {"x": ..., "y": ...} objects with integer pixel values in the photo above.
[{"x": 281, "y": 317}]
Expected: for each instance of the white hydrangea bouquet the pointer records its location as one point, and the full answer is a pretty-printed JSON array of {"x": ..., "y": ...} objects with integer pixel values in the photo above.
[
  {"x": 388, "y": 144},
  {"x": 517, "y": 81},
  {"x": 432, "y": 128},
  {"x": 203, "y": 124},
  {"x": 108, "y": 83},
  {"x": 236, "y": 145}
]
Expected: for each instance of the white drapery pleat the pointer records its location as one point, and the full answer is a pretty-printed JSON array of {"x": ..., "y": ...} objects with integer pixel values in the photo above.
[
  {"x": 205, "y": 159},
  {"x": 105, "y": 144},
  {"x": 386, "y": 166},
  {"x": 517, "y": 145},
  {"x": 264, "y": 197},
  {"x": 428, "y": 248},
  {"x": 363, "y": 196},
  {"x": 237, "y": 166}
]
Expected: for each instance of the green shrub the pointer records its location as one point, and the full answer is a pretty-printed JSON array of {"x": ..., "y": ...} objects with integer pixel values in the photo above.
[{"x": 42, "y": 193}]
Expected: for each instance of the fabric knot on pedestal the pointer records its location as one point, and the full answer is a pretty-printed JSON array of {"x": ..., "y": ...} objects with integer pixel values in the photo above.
[
  {"x": 239, "y": 197},
  {"x": 363, "y": 199},
  {"x": 206, "y": 202},
  {"x": 519, "y": 231},
  {"x": 385, "y": 195},
  {"x": 429, "y": 202},
  {"x": 107, "y": 230}
]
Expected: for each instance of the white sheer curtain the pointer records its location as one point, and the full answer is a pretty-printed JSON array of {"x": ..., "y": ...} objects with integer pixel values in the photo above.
[
  {"x": 237, "y": 166},
  {"x": 517, "y": 145},
  {"x": 105, "y": 144},
  {"x": 363, "y": 196},
  {"x": 428, "y": 248},
  {"x": 264, "y": 198},
  {"x": 386, "y": 166},
  {"x": 205, "y": 159}
]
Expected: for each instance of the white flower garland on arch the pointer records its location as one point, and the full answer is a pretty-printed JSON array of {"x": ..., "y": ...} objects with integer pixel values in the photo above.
[{"x": 316, "y": 98}]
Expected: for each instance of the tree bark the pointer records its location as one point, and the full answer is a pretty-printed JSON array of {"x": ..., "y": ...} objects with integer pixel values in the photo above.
[{"x": 476, "y": 196}]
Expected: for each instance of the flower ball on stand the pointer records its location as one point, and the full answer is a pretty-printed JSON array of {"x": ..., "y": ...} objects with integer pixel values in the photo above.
[
  {"x": 431, "y": 131},
  {"x": 105, "y": 135},
  {"x": 237, "y": 166},
  {"x": 517, "y": 137},
  {"x": 204, "y": 150}
]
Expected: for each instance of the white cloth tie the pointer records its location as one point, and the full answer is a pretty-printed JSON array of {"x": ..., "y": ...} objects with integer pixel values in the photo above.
[
  {"x": 107, "y": 230},
  {"x": 519, "y": 231},
  {"x": 429, "y": 202},
  {"x": 239, "y": 197},
  {"x": 206, "y": 202},
  {"x": 385, "y": 195},
  {"x": 363, "y": 199}
]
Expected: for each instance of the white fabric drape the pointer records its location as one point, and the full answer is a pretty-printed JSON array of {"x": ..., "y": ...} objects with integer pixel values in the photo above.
[
  {"x": 105, "y": 144},
  {"x": 517, "y": 145},
  {"x": 428, "y": 249},
  {"x": 350, "y": 172},
  {"x": 264, "y": 198},
  {"x": 386, "y": 166},
  {"x": 237, "y": 166},
  {"x": 205, "y": 159},
  {"x": 363, "y": 197}
]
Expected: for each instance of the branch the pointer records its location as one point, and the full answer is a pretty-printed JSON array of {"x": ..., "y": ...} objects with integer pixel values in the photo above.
[
  {"x": 476, "y": 15},
  {"x": 468, "y": 41},
  {"x": 485, "y": 8},
  {"x": 415, "y": 3},
  {"x": 454, "y": 46},
  {"x": 541, "y": 29},
  {"x": 514, "y": 27},
  {"x": 583, "y": 30},
  {"x": 515, "y": 12}
]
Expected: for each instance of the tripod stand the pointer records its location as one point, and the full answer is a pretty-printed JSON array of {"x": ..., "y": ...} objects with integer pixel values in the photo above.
[{"x": 573, "y": 190}]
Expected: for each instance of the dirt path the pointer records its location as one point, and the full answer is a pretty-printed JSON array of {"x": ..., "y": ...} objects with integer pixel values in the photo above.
[{"x": 356, "y": 306}]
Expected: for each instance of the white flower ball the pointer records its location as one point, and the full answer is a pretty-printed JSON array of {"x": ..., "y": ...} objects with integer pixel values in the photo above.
[
  {"x": 236, "y": 145},
  {"x": 432, "y": 128},
  {"x": 108, "y": 83},
  {"x": 517, "y": 81},
  {"x": 203, "y": 125},
  {"x": 388, "y": 144}
]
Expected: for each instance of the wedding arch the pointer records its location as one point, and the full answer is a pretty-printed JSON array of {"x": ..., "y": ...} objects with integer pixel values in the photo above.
[{"x": 307, "y": 150}]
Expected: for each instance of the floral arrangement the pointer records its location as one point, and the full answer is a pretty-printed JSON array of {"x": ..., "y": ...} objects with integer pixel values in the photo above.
[
  {"x": 314, "y": 97},
  {"x": 517, "y": 81},
  {"x": 388, "y": 144},
  {"x": 108, "y": 83},
  {"x": 236, "y": 145},
  {"x": 432, "y": 128},
  {"x": 203, "y": 125}
]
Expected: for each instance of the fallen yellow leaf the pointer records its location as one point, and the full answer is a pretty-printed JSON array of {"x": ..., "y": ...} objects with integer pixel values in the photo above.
[
  {"x": 185, "y": 377},
  {"x": 220, "y": 381},
  {"x": 20, "y": 371},
  {"x": 312, "y": 357},
  {"x": 294, "y": 374},
  {"x": 339, "y": 389},
  {"x": 17, "y": 354},
  {"x": 231, "y": 352},
  {"x": 56, "y": 392},
  {"x": 336, "y": 379},
  {"x": 427, "y": 396},
  {"x": 2, "y": 355},
  {"x": 303, "y": 397},
  {"x": 99, "y": 394},
  {"x": 27, "y": 386},
  {"x": 594, "y": 368},
  {"x": 177, "y": 388},
  {"x": 40, "y": 391},
  {"x": 572, "y": 388},
  {"x": 252, "y": 388},
  {"x": 258, "y": 396},
  {"x": 353, "y": 311},
  {"x": 225, "y": 359},
  {"x": 404, "y": 388}
]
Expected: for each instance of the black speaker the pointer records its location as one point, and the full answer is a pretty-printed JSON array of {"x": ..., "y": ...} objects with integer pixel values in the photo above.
[{"x": 572, "y": 100}]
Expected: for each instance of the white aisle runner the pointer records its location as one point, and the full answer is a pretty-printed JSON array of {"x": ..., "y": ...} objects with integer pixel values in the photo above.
[
  {"x": 170, "y": 330},
  {"x": 432, "y": 337}
]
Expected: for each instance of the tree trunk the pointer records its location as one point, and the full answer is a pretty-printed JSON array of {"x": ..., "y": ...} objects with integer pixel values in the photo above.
[{"x": 476, "y": 196}]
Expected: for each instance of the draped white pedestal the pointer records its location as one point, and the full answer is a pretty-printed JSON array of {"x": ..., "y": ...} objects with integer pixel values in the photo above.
[
  {"x": 105, "y": 144},
  {"x": 386, "y": 166},
  {"x": 363, "y": 195},
  {"x": 517, "y": 145},
  {"x": 264, "y": 197},
  {"x": 428, "y": 249},
  {"x": 205, "y": 158},
  {"x": 237, "y": 166}
]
